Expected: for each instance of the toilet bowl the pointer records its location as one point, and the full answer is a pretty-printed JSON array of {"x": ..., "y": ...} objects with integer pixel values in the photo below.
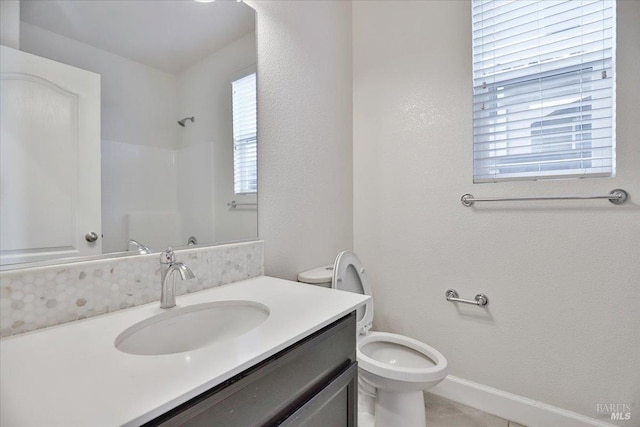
[
  {"x": 393, "y": 370},
  {"x": 399, "y": 363}
]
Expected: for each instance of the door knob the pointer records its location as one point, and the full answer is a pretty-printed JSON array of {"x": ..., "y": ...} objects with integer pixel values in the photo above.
[{"x": 91, "y": 237}]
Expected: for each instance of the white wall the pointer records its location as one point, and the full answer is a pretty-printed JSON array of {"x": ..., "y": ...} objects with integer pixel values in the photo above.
[
  {"x": 195, "y": 187},
  {"x": 10, "y": 23},
  {"x": 138, "y": 102},
  {"x": 304, "y": 133},
  {"x": 205, "y": 92},
  {"x": 562, "y": 277},
  {"x": 139, "y": 185}
]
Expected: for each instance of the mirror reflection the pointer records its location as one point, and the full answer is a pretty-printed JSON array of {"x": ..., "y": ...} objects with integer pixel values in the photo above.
[{"x": 166, "y": 90}]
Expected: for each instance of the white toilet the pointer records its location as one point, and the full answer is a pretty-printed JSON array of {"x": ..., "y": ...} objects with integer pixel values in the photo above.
[{"x": 394, "y": 370}]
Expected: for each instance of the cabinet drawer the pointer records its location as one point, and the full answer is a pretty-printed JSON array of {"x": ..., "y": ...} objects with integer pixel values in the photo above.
[
  {"x": 335, "y": 405},
  {"x": 271, "y": 391}
]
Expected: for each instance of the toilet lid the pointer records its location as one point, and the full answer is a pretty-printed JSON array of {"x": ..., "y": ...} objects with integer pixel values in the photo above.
[{"x": 349, "y": 275}]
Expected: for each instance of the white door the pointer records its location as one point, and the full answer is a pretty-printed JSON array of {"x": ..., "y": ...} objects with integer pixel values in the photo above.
[{"x": 49, "y": 159}]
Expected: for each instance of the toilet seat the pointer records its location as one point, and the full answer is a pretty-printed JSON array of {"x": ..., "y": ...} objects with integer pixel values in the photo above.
[
  {"x": 406, "y": 352},
  {"x": 350, "y": 276}
]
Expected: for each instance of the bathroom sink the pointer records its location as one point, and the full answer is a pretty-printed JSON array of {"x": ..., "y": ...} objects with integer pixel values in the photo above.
[{"x": 192, "y": 327}]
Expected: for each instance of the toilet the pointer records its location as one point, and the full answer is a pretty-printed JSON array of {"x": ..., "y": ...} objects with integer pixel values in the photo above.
[{"x": 394, "y": 370}]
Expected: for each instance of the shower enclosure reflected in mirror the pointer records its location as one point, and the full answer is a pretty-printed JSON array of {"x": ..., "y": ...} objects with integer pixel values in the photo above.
[{"x": 169, "y": 126}]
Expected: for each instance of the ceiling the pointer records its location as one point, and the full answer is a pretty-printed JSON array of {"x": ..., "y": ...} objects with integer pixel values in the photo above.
[{"x": 168, "y": 35}]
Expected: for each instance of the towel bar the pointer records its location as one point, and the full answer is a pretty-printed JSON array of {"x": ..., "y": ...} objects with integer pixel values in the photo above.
[
  {"x": 617, "y": 197},
  {"x": 480, "y": 299},
  {"x": 233, "y": 204}
]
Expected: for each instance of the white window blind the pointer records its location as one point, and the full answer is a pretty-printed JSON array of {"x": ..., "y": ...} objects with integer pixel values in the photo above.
[
  {"x": 543, "y": 89},
  {"x": 245, "y": 149}
]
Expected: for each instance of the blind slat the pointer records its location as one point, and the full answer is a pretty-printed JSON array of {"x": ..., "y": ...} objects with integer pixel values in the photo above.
[
  {"x": 538, "y": 53},
  {"x": 496, "y": 27},
  {"x": 574, "y": 114},
  {"x": 571, "y": 120},
  {"x": 599, "y": 153},
  {"x": 599, "y": 60},
  {"x": 598, "y": 139},
  {"x": 536, "y": 90}
]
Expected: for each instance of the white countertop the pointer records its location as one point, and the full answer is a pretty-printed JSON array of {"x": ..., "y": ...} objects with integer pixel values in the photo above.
[{"x": 72, "y": 375}]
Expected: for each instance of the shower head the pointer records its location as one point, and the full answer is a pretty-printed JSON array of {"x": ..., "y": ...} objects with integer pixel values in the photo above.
[{"x": 183, "y": 121}]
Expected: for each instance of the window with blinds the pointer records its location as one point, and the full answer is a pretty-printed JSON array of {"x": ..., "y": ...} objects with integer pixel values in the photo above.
[
  {"x": 543, "y": 89},
  {"x": 245, "y": 149}
]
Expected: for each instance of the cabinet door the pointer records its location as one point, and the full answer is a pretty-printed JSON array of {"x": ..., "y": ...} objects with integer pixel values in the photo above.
[
  {"x": 335, "y": 405},
  {"x": 50, "y": 159}
]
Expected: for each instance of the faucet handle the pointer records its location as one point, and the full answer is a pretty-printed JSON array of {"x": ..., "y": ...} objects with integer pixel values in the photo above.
[{"x": 167, "y": 257}]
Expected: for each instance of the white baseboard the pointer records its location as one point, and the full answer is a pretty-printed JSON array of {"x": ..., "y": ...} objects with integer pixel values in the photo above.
[{"x": 510, "y": 406}]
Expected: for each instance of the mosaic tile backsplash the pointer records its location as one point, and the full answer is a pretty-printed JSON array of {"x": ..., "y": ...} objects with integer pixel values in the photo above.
[{"x": 34, "y": 298}]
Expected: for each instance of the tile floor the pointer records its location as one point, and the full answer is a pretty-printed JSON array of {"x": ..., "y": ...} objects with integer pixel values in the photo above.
[{"x": 443, "y": 412}]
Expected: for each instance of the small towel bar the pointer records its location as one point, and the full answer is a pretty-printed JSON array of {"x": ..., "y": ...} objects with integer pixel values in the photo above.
[
  {"x": 233, "y": 204},
  {"x": 480, "y": 299}
]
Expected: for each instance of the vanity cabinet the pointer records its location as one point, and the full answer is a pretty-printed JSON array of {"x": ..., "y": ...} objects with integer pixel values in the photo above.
[{"x": 311, "y": 383}]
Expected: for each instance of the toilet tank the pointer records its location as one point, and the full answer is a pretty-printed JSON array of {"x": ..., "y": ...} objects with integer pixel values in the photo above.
[{"x": 319, "y": 276}]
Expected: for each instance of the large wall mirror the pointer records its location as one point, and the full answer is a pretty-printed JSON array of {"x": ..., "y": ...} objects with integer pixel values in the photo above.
[{"x": 166, "y": 89}]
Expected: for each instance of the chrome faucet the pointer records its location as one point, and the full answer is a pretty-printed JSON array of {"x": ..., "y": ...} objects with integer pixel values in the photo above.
[
  {"x": 142, "y": 249},
  {"x": 169, "y": 266}
]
